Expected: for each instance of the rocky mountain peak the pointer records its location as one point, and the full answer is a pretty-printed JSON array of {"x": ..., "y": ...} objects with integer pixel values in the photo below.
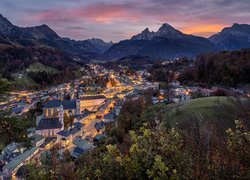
[
  {"x": 5, "y": 25},
  {"x": 144, "y": 35},
  {"x": 168, "y": 31}
]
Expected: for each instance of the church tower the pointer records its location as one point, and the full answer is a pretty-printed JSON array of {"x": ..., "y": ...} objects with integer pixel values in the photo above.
[
  {"x": 78, "y": 106},
  {"x": 61, "y": 120}
]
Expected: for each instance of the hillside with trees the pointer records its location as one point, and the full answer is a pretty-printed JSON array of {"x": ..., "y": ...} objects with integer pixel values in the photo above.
[
  {"x": 36, "y": 67},
  {"x": 152, "y": 149},
  {"x": 224, "y": 68}
]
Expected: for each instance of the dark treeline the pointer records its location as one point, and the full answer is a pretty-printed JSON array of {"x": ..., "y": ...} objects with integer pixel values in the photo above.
[
  {"x": 132, "y": 62},
  {"x": 165, "y": 71},
  {"x": 224, "y": 68}
]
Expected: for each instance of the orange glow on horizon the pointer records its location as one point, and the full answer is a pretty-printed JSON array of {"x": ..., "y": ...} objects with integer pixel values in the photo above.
[{"x": 205, "y": 30}]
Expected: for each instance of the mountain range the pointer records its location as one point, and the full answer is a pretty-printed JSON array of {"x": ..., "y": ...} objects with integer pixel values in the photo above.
[
  {"x": 167, "y": 42},
  {"x": 45, "y": 36}
]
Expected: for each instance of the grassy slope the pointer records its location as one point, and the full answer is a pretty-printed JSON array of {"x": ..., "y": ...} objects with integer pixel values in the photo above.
[
  {"x": 202, "y": 107},
  {"x": 38, "y": 67},
  {"x": 26, "y": 81},
  {"x": 209, "y": 109}
]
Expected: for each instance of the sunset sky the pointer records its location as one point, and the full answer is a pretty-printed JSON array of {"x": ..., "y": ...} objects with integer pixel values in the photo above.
[{"x": 120, "y": 19}]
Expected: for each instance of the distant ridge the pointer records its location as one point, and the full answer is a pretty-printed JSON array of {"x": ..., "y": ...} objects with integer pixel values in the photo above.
[{"x": 166, "y": 42}]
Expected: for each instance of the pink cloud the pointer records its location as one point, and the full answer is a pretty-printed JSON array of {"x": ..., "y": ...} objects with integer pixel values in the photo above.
[{"x": 99, "y": 13}]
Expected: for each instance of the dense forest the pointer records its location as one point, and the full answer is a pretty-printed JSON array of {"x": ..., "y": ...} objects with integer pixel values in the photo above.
[
  {"x": 224, "y": 68},
  {"x": 132, "y": 62},
  {"x": 227, "y": 68}
]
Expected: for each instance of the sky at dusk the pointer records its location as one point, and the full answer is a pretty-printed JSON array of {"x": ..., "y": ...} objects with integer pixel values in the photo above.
[{"x": 120, "y": 19}]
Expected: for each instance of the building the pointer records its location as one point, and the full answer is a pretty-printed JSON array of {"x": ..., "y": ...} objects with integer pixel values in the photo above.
[
  {"x": 81, "y": 146},
  {"x": 99, "y": 137},
  {"x": 110, "y": 117},
  {"x": 99, "y": 126},
  {"x": 49, "y": 127},
  {"x": 65, "y": 137},
  {"x": 70, "y": 107},
  {"x": 12, "y": 167},
  {"x": 175, "y": 84},
  {"x": 88, "y": 102},
  {"x": 38, "y": 140}
]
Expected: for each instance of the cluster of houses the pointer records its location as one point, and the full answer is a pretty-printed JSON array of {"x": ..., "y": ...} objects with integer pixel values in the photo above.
[
  {"x": 16, "y": 155},
  {"x": 51, "y": 129}
]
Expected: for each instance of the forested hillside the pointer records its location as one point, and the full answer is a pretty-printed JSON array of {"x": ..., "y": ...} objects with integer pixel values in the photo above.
[
  {"x": 36, "y": 67},
  {"x": 225, "y": 68}
]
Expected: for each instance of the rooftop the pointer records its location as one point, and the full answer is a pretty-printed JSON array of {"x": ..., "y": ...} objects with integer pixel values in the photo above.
[
  {"x": 49, "y": 123},
  {"x": 67, "y": 104},
  {"x": 37, "y": 138},
  {"x": 99, "y": 137},
  {"x": 17, "y": 110},
  {"x": 93, "y": 97},
  {"x": 110, "y": 115},
  {"x": 81, "y": 143},
  {"x": 78, "y": 151},
  {"x": 19, "y": 159},
  {"x": 78, "y": 124},
  {"x": 81, "y": 116},
  {"x": 67, "y": 133},
  {"x": 47, "y": 141}
]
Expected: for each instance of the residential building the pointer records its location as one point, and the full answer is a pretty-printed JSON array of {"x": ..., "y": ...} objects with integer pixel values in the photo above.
[{"x": 65, "y": 137}]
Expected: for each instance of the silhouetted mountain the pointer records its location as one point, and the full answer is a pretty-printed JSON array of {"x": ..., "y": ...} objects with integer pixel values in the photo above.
[
  {"x": 5, "y": 25},
  {"x": 167, "y": 42},
  {"x": 144, "y": 35},
  {"x": 100, "y": 44},
  {"x": 45, "y": 36},
  {"x": 232, "y": 38}
]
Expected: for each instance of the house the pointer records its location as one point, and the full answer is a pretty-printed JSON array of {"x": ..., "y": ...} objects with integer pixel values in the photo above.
[
  {"x": 38, "y": 140},
  {"x": 17, "y": 111},
  {"x": 87, "y": 102},
  {"x": 12, "y": 167},
  {"x": 11, "y": 148},
  {"x": 99, "y": 137},
  {"x": 104, "y": 109},
  {"x": 180, "y": 94},
  {"x": 72, "y": 107},
  {"x": 99, "y": 126},
  {"x": 174, "y": 84},
  {"x": 110, "y": 117},
  {"x": 65, "y": 137},
  {"x": 82, "y": 117},
  {"x": 117, "y": 110},
  {"x": 77, "y": 152},
  {"x": 49, "y": 142},
  {"x": 81, "y": 146}
]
